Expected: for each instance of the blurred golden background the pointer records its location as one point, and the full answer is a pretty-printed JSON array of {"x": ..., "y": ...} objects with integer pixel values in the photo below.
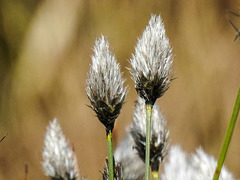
[{"x": 45, "y": 48}]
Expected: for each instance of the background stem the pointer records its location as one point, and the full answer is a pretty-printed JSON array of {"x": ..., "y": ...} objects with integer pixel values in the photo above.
[
  {"x": 227, "y": 138},
  {"x": 148, "y": 136},
  {"x": 110, "y": 155}
]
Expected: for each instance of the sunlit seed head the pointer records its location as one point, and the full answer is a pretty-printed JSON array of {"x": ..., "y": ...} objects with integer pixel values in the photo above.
[
  {"x": 152, "y": 61},
  {"x": 104, "y": 86},
  {"x": 59, "y": 160},
  {"x": 178, "y": 165},
  {"x": 205, "y": 166},
  {"x": 197, "y": 166}
]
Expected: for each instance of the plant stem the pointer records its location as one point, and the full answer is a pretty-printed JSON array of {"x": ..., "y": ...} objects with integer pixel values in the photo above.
[
  {"x": 148, "y": 136},
  {"x": 227, "y": 138},
  {"x": 3, "y": 137},
  {"x": 110, "y": 155},
  {"x": 155, "y": 175}
]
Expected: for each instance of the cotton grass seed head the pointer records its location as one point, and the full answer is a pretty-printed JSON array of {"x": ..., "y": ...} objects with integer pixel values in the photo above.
[
  {"x": 126, "y": 155},
  {"x": 205, "y": 166},
  {"x": 152, "y": 61},
  {"x": 159, "y": 134},
  {"x": 59, "y": 160},
  {"x": 104, "y": 85},
  {"x": 197, "y": 166},
  {"x": 178, "y": 165}
]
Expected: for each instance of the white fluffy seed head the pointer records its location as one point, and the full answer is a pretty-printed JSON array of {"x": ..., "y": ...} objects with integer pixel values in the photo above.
[
  {"x": 126, "y": 155},
  {"x": 104, "y": 86},
  {"x": 198, "y": 166},
  {"x": 59, "y": 160},
  {"x": 105, "y": 78},
  {"x": 152, "y": 61},
  {"x": 205, "y": 166},
  {"x": 178, "y": 165},
  {"x": 159, "y": 133}
]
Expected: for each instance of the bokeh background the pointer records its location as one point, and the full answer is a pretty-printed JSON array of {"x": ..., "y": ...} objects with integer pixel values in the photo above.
[{"x": 45, "y": 49}]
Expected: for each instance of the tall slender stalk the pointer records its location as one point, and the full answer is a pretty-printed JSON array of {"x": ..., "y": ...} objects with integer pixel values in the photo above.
[
  {"x": 3, "y": 137},
  {"x": 110, "y": 155},
  {"x": 227, "y": 138},
  {"x": 148, "y": 137},
  {"x": 155, "y": 175},
  {"x": 147, "y": 116}
]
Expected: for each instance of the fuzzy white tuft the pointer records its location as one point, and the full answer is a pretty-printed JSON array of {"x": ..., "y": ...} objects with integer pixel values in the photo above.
[
  {"x": 152, "y": 61},
  {"x": 178, "y": 166},
  {"x": 104, "y": 85},
  {"x": 198, "y": 166},
  {"x": 205, "y": 166},
  {"x": 59, "y": 160}
]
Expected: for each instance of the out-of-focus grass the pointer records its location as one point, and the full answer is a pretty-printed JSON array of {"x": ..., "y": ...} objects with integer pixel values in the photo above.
[{"x": 45, "y": 49}]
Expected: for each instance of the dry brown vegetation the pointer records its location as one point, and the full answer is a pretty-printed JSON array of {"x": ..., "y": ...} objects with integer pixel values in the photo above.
[{"x": 45, "y": 49}]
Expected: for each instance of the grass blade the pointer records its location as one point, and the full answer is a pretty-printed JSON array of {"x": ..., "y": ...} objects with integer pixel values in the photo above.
[{"x": 227, "y": 138}]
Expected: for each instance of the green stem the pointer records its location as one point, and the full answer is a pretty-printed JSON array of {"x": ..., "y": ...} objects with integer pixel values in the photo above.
[
  {"x": 148, "y": 136},
  {"x": 227, "y": 138},
  {"x": 155, "y": 175},
  {"x": 110, "y": 155}
]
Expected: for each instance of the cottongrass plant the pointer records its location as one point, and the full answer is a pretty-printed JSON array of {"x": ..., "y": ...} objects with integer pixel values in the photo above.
[
  {"x": 151, "y": 71},
  {"x": 146, "y": 142},
  {"x": 158, "y": 138},
  {"x": 197, "y": 166},
  {"x": 59, "y": 160},
  {"x": 105, "y": 91}
]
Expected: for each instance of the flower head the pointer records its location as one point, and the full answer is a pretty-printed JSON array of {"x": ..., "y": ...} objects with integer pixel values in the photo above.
[
  {"x": 178, "y": 165},
  {"x": 159, "y": 134},
  {"x": 104, "y": 85},
  {"x": 152, "y": 61},
  {"x": 59, "y": 160},
  {"x": 198, "y": 166},
  {"x": 205, "y": 166},
  {"x": 127, "y": 156}
]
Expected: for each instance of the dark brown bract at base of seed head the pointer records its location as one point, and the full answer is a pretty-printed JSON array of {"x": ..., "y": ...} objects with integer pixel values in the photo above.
[
  {"x": 151, "y": 90},
  {"x": 106, "y": 113}
]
